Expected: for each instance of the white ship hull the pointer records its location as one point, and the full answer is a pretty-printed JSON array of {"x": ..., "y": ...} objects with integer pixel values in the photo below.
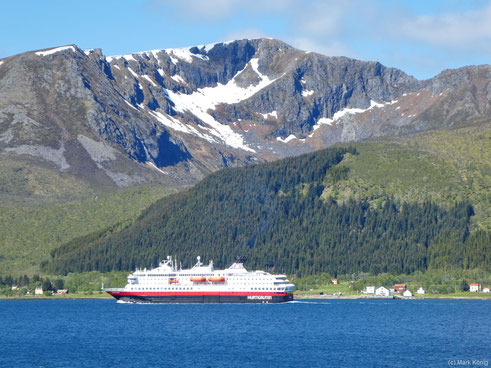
[{"x": 203, "y": 284}]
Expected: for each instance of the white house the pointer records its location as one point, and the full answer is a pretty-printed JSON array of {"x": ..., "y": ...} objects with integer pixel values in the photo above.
[
  {"x": 475, "y": 288},
  {"x": 38, "y": 291},
  {"x": 407, "y": 293},
  {"x": 369, "y": 290},
  {"x": 382, "y": 291},
  {"x": 485, "y": 290},
  {"x": 421, "y": 290}
]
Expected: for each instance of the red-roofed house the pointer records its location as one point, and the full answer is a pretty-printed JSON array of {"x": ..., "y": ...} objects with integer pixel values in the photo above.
[
  {"x": 334, "y": 281},
  {"x": 400, "y": 287},
  {"x": 475, "y": 288}
]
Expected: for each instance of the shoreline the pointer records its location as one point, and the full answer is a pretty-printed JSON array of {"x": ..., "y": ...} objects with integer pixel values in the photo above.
[
  {"x": 397, "y": 297},
  {"x": 54, "y": 297},
  {"x": 296, "y": 297}
]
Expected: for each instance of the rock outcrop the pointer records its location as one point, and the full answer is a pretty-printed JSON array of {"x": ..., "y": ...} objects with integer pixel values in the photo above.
[{"x": 176, "y": 115}]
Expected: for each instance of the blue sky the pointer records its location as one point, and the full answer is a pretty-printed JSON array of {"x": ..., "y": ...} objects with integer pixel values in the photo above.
[{"x": 420, "y": 37}]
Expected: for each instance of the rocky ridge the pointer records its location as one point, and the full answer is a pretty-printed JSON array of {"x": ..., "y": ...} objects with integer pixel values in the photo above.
[{"x": 176, "y": 115}]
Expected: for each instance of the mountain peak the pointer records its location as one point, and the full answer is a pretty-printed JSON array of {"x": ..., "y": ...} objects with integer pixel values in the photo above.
[{"x": 184, "y": 112}]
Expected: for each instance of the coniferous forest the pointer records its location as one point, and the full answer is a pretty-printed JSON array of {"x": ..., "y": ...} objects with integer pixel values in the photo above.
[{"x": 277, "y": 215}]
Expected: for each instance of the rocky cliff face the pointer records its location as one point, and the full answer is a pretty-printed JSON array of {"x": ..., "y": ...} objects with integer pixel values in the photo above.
[{"x": 176, "y": 115}]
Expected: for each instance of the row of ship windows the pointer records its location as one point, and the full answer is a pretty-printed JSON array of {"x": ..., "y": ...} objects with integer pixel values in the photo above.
[
  {"x": 204, "y": 274},
  {"x": 228, "y": 279},
  {"x": 190, "y": 288},
  {"x": 174, "y": 275}
]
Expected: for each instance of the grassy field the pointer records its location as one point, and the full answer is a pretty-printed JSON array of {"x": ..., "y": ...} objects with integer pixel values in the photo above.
[
  {"x": 31, "y": 228},
  {"x": 346, "y": 291}
]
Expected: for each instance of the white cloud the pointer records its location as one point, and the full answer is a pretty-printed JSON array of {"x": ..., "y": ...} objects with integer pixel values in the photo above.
[
  {"x": 249, "y": 33},
  {"x": 333, "y": 48},
  {"x": 326, "y": 22},
  {"x": 423, "y": 43},
  {"x": 321, "y": 17},
  {"x": 455, "y": 30}
]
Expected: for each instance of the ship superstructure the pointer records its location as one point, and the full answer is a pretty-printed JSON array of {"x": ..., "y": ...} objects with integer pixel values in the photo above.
[{"x": 203, "y": 284}]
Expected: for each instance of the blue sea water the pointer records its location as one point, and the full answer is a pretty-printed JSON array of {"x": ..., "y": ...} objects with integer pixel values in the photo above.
[{"x": 312, "y": 333}]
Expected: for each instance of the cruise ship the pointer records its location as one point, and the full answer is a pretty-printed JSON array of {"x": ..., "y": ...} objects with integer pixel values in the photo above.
[{"x": 203, "y": 284}]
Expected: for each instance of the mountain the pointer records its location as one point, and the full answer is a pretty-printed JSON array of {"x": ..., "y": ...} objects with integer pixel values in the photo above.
[
  {"x": 443, "y": 166},
  {"x": 287, "y": 215},
  {"x": 173, "y": 116}
]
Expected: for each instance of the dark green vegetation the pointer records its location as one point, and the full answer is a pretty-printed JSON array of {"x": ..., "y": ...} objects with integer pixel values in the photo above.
[
  {"x": 444, "y": 166},
  {"x": 400, "y": 207}
]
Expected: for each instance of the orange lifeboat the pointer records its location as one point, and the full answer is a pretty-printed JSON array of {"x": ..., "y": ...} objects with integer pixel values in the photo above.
[
  {"x": 217, "y": 279},
  {"x": 198, "y": 279},
  {"x": 173, "y": 281}
]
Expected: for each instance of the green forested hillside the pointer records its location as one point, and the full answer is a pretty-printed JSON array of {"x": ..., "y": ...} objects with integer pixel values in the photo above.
[
  {"x": 444, "y": 166},
  {"x": 298, "y": 216}
]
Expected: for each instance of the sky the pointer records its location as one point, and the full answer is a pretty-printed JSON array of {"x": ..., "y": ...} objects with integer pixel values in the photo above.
[{"x": 420, "y": 37}]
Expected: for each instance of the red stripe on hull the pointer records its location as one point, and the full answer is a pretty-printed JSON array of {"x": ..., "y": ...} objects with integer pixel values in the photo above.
[{"x": 192, "y": 293}]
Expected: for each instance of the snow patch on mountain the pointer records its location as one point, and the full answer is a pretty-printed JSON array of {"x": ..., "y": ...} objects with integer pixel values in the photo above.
[
  {"x": 208, "y": 98},
  {"x": 132, "y": 72},
  {"x": 150, "y": 80},
  {"x": 175, "y": 124},
  {"x": 178, "y": 79},
  {"x": 152, "y": 165},
  {"x": 57, "y": 49},
  {"x": 204, "y": 99},
  {"x": 210, "y": 46},
  {"x": 306, "y": 93},
  {"x": 127, "y": 57},
  {"x": 130, "y": 105},
  {"x": 273, "y": 114},
  {"x": 183, "y": 54},
  {"x": 287, "y": 139},
  {"x": 349, "y": 111}
]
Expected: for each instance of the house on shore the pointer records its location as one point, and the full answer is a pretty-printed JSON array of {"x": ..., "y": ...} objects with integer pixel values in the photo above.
[
  {"x": 334, "y": 281},
  {"x": 382, "y": 291},
  {"x": 400, "y": 287},
  {"x": 485, "y": 290},
  {"x": 475, "y": 288},
  {"x": 407, "y": 294},
  {"x": 369, "y": 290},
  {"x": 38, "y": 291},
  {"x": 421, "y": 290}
]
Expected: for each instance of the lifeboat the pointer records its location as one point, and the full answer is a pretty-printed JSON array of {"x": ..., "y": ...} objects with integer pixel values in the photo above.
[
  {"x": 217, "y": 279},
  {"x": 173, "y": 281},
  {"x": 198, "y": 279}
]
